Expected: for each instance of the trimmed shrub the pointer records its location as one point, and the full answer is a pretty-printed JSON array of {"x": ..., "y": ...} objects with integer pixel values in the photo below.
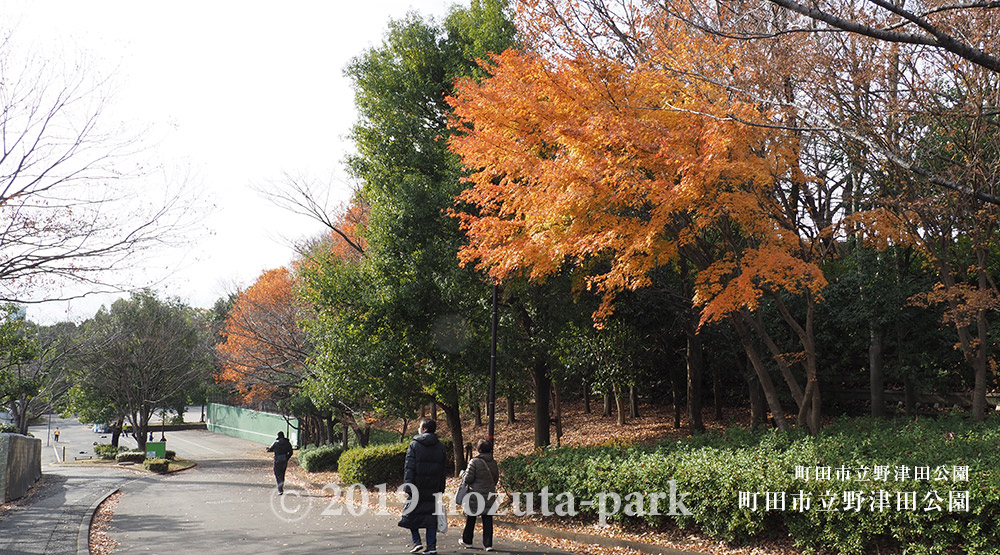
[
  {"x": 743, "y": 486},
  {"x": 131, "y": 456},
  {"x": 170, "y": 455},
  {"x": 156, "y": 465},
  {"x": 8, "y": 429},
  {"x": 107, "y": 451},
  {"x": 320, "y": 459},
  {"x": 373, "y": 465}
]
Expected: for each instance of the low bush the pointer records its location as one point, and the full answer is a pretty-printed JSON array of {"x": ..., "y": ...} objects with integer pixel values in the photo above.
[
  {"x": 156, "y": 465},
  {"x": 373, "y": 465},
  {"x": 170, "y": 455},
  {"x": 8, "y": 429},
  {"x": 320, "y": 459},
  {"x": 883, "y": 485},
  {"x": 131, "y": 456},
  {"x": 377, "y": 464},
  {"x": 107, "y": 451}
]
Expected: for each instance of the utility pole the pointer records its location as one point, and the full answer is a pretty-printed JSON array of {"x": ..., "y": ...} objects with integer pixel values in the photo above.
[{"x": 492, "y": 402}]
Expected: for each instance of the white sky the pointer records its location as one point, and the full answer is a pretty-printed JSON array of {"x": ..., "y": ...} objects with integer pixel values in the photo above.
[{"x": 233, "y": 93}]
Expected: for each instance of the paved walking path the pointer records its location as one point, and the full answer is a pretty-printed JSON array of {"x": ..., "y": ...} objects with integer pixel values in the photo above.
[
  {"x": 226, "y": 504},
  {"x": 52, "y": 518}
]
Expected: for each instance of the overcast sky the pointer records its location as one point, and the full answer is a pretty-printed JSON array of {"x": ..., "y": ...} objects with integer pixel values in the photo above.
[{"x": 234, "y": 94}]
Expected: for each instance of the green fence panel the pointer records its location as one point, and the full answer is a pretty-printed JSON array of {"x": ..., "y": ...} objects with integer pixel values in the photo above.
[{"x": 260, "y": 427}]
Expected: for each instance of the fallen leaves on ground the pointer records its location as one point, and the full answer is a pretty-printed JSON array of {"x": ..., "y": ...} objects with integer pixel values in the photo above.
[
  {"x": 655, "y": 423},
  {"x": 101, "y": 542}
]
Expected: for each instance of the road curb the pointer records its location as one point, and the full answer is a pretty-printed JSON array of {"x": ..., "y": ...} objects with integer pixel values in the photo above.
[
  {"x": 590, "y": 539},
  {"x": 579, "y": 537},
  {"x": 83, "y": 538}
]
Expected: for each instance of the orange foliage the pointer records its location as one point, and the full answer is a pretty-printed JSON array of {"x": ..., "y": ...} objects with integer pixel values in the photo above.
[
  {"x": 580, "y": 157},
  {"x": 262, "y": 353}
]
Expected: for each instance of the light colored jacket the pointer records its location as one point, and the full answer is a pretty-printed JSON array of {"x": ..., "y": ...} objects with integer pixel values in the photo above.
[{"x": 482, "y": 474}]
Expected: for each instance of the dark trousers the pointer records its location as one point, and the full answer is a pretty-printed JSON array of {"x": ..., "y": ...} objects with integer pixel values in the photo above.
[
  {"x": 279, "y": 473},
  {"x": 431, "y": 536},
  {"x": 470, "y": 528}
]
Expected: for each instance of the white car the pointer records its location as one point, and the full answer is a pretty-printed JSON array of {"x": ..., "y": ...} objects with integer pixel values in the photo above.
[{"x": 102, "y": 428}]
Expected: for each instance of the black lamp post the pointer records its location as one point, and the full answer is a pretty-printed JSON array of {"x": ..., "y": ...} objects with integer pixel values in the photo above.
[{"x": 492, "y": 402}]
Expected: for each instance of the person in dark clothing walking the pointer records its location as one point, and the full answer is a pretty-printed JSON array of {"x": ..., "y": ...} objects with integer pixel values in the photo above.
[
  {"x": 282, "y": 450},
  {"x": 481, "y": 476},
  {"x": 424, "y": 474}
]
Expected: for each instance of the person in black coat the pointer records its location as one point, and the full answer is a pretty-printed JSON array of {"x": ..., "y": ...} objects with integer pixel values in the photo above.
[
  {"x": 424, "y": 473},
  {"x": 282, "y": 450}
]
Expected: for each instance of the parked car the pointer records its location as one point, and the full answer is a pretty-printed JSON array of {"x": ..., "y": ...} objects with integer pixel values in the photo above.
[{"x": 104, "y": 428}]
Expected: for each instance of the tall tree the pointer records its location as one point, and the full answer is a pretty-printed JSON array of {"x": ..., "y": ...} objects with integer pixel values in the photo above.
[
  {"x": 140, "y": 353},
  {"x": 428, "y": 306},
  {"x": 264, "y": 350},
  {"x": 69, "y": 208}
]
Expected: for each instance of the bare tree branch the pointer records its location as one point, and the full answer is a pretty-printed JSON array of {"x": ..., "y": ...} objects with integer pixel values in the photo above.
[
  {"x": 301, "y": 197},
  {"x": 934, "y": 36}
]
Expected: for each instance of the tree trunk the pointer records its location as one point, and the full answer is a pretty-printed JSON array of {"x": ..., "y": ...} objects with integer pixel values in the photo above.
[
  {"x": 675, "y": 397},
  {"x": 694, "y": 357},
  {"x": 116, "y": 431},
  {"x": 619, "y": 404},
  {"x": 19, "y": 410},
  {"x": 329, "y": 420},
  {"x": 434, "y": 411},
  {"x": 454, "y": 419},
  {"x": 345, "y": 434},
  {"x": 910, "y": 396},
  {"x": 511, "y": 417},
  {"x": 586, "y": 398},
  {"x": 716, "y": 396},
  {"x": 876, "y": 370},
  {"x": 402, "y": 434},
  {"x": 558, "y": 413},
  {"x": 542, "y": 385},
  {"x": 477, "y": 414},
  {"x": 364, "y": 434},
  {"x": 633, "y": 402},
  {"x": 758, "y": 406},
  {"x": 982, "y": 363},
  {"x": 763, "y": 377}
]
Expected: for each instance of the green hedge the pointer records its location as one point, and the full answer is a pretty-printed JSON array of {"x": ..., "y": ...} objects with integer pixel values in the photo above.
[
  {"x": 131, "y": 456},
  {"x": 170, "y": 455},
  {"x": 714, "y": 468},
  {"x": 320, "y": 459},
  {"x": 373, "y": 465},
  {"x": 377, "y": 464},
  {"x": 108, "y": 451},
  {"x": 156, "y": 465}
]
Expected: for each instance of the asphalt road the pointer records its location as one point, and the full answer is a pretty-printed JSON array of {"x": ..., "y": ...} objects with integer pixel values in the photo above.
[{"x": 227, "y": 503}]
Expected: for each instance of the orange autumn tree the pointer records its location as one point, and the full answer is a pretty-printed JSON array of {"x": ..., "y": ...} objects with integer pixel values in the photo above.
[
  {"x": 263, "y": 351},
  {"x": 580, "y": 156}
]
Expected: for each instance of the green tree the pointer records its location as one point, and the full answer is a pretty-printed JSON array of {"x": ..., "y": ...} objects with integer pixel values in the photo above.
[
  {"x": 426, "y": 312},
  {"x": 140, "y": 354}
]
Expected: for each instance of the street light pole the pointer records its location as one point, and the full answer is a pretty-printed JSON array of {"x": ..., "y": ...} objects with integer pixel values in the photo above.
[{"x": 492, "y": 403}]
